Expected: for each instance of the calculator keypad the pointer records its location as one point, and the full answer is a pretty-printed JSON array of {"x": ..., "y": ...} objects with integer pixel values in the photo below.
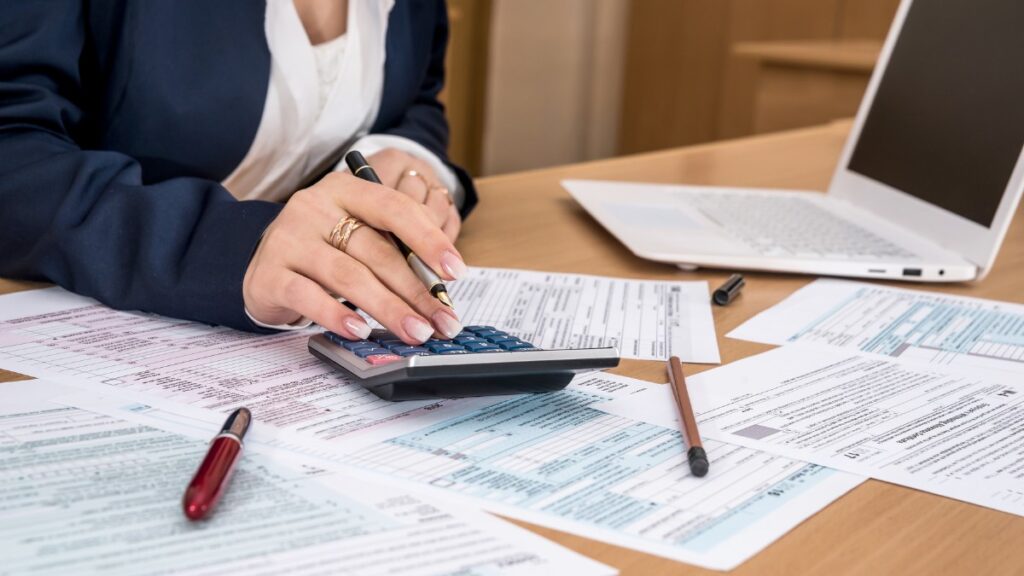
[{"x": 382, "y": 347}]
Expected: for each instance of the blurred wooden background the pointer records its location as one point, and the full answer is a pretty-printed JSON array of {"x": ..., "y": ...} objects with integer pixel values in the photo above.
[{"x": 533, "y": 83}]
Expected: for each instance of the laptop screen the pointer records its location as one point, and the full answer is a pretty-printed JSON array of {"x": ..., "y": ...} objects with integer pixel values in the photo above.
[{"x": 947, "y": 121}]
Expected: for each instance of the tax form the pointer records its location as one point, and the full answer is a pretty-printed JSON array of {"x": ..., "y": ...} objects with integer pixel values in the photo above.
[
  {"x": 934, "y": 428},
  {"x": 920, "y": 326},
  {"x": 83, "y": 492},
  {"x": 644, "y": 319},
  {"x": 622, "y": 481},
  {"x": 555, "y": 461},
  {"x": 55, "y": 334}
]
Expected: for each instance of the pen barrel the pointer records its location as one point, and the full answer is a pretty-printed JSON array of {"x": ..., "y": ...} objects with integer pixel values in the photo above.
[
  {"x": 422, "y": 271},
  {"x": 212, "y": 477}
]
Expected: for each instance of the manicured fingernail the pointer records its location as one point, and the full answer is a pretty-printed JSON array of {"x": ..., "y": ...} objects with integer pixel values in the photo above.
[
  {"x": 357, "y": 327},
  {"x": 417, "y": 329},
  {"x": 453, "y": 265},
  {"x": 447, "y": 324}
]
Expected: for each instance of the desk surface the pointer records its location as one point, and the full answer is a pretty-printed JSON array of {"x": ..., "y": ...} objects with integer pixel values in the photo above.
[{"x": 526, "y": 220}]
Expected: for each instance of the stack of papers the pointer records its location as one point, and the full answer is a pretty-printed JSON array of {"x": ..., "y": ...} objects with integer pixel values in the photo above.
[
  {"x": 554, "y": 460},
  {"x": 87, "y": 492},
  {"x": 910, "y": 387}
]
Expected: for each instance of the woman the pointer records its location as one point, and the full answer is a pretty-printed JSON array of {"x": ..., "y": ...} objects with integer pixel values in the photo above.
[{"x": 145, "y": 148}]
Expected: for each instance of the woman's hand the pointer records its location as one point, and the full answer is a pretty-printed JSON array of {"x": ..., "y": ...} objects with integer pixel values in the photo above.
[
  {"x": 394, "y": 166},
  {"x": 295, "y": 271}
]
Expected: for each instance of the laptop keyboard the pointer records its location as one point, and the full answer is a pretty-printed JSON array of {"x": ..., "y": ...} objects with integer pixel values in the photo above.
[{"x": 784, "y": 226}]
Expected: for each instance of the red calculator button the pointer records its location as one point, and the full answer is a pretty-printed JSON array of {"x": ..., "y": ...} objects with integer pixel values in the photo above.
[{"x": 380, "y": 359}]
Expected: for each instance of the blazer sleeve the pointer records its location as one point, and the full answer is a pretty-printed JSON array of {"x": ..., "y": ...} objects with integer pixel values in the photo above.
[
  {"x": 424, "y": 120},
  {"x": 84, "y": 219}
]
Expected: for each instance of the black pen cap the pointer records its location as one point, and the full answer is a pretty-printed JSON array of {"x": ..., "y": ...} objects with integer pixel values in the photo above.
[{"x": 727, "y": 292}]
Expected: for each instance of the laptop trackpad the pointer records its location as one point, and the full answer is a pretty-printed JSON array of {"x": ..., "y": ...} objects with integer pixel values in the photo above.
[
  {"x": 656, "y": 217},
  {"x": 671, "y": 229}
]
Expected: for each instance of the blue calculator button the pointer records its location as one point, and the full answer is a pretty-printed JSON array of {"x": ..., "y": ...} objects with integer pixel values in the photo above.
[
  {"x": 463, "y": 340},
  {"x": 358, "y": 344},
  {"x": 388, "y": 342},
  {"x": 521, "y": 347},
  {"x": 439, "y": 347},
  {"x": 364, "y": 352},
  {"x": 453, "y": 351},
  {"x": 515, "y": 345},
  {"x": 477, "y": 328},
  {"x": 409, "y": 350},
  {"x": 480, "y": 346},
  {"x": 501, "y": 338}
]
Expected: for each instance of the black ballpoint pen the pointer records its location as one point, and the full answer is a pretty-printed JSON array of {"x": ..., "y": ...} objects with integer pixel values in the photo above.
[{"x": 361, "y": 169}]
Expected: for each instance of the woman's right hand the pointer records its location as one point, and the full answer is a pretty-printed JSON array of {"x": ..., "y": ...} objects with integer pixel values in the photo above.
[{"x": 295, "y": 270}]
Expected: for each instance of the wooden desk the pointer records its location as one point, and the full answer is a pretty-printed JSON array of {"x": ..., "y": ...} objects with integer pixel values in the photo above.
[{"x": 526, "y": 220}]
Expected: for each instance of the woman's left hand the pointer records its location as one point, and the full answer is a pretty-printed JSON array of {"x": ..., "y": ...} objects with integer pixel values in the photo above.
[{"x": 414, "y": 178}]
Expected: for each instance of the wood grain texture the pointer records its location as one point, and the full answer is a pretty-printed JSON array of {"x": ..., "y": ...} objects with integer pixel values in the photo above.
[
  {"x": 845, "y": 55},
  {"x": 527, "y": 220}
]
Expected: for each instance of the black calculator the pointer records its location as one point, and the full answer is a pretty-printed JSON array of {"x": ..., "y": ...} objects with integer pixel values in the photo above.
[{"x": 480, "y": 361}]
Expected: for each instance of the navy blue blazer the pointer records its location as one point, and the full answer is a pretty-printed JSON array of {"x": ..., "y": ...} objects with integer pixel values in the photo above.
[{"x": 118, "y": 120}]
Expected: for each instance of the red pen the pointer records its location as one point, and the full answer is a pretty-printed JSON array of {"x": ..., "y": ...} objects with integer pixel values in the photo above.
[{"x": 213, "y": 474}]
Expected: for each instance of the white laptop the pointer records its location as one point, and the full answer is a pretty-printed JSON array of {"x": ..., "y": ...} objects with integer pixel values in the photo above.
[{"x": 925, "y": 189}]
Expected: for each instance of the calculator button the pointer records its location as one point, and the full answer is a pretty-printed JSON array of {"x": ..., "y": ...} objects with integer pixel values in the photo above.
[
  {"x": 463, "y": 340},
  {"x": 480, "y": 346},
  {"x": 358, "y": 345},
  {"x": 477, "y": 328},
  {"x": 516, "y": 345},
  {"x": 438, "y": 347},
  {"x": 381, "y": 359},
  {"x": 499, "y": 338},
  {"x": 453, "y": 351},
  {"x": 410, "y": 350},
  {"x": 365, "y": 352}
]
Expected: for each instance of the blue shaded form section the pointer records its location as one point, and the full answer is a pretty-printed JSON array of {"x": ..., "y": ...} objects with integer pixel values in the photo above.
[
  {"x": 553, "y": 453},
  {"x": 931, "y": 323},
  {"x": 584, "y": 447},
  {"x": 951, "y": 328},
  {"x": 760, "y": 506}
]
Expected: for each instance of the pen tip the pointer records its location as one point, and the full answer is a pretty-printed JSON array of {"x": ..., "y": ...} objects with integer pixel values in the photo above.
[{"x": 445, "y": 299}]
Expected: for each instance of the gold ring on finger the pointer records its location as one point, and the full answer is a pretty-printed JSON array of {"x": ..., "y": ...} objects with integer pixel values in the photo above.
[
  {"x": 414, "y": 174},
  {"x": 342, "y": 232},
  {"x": 447, "y": 194}
]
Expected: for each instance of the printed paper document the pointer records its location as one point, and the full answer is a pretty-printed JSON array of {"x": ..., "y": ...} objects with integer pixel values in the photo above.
[
  {"x": 910, "y": 324},
  {"x": 83, "y": 492},
  {"x": 194, "y": 369},
  {"x": 644, "y": 319},
  {"x": 554, "y": 460},
  {"x": 935, "y": 428}
]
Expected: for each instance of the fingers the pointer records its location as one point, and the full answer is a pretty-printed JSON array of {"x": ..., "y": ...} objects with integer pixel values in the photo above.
[
  {"x": 389, "y": 164},
  {"x": 387, "y": 264},
  {"x": 350, "y": 278},
  {"x": 414, "y": 187},
  {"x": 393, "y": 211},
  {"x": 308, "y": 299},
  {"x": 439, "y": 205},
  {"x": 453, "y": 225}
]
